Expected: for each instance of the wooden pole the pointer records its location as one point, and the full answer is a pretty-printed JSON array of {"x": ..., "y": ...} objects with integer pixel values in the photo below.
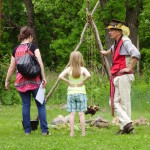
[
  {"x": 93, "y": 11},
  {"x": 78, "y": 46},
  {"x": 80, "y": 43},
  {"x": 99, "y": 44}
]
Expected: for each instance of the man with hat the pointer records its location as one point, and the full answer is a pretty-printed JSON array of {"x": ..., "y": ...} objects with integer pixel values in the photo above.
[{"x": 124, "y": 58}]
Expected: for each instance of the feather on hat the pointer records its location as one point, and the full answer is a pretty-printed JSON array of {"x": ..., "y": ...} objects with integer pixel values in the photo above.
[{"x": 119, "y": 25}]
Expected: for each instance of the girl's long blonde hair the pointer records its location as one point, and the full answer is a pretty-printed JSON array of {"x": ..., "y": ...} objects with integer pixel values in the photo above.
[{"x": 76, "y": 62}]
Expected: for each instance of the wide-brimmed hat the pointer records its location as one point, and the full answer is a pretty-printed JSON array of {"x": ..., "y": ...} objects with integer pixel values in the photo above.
[{"x": 119, "y": 25}]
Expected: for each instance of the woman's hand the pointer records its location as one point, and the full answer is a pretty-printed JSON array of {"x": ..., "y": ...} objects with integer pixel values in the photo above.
[
  {"x": 7, "y": 85},
  {"x": 71, "y": 84},
  {"x": 44, "y": 83},
  {"x": 80, "y": 84}
]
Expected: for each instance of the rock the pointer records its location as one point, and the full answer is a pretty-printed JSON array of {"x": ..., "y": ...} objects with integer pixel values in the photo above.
[
  {"x": 140, "y": 121},
  {"x": 63, "y": 106},
  {"x": 88, "y": 121},
  {"x": 98, "y": 122},
  {"x": 59, "y": 120},
  {"x": 67, "y": 118}
]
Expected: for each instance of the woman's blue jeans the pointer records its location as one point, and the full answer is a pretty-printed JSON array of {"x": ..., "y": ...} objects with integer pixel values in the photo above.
[{"x": 26, "y": 103}]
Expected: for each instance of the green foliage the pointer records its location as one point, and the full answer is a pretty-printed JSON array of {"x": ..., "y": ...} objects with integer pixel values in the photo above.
[
  {"x": 62, "y": 26},
  {"x": 131, "y": 3},
  {"x": 9, "y": 32},
  {"x": 114, "y": 9},
  {"x": 98, "y": 90},
  {"x": 12, "y": 96},
  {"x": 144, "y": 24},
  {"x": 59, "y": 25},
  {"x": 145, "y": 53}
]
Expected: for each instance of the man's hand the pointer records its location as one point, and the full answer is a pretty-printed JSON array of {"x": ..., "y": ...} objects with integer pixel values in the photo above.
[
  {"x": 125, "y": 70},
  {"x": 106, "y": 53},
  {"x": 103, "y": 52}
]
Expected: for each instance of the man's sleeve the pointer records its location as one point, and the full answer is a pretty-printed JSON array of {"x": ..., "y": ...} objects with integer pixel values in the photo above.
[
  {"x": 112, "y": 48},
  {"x": 131, "y": 49}
]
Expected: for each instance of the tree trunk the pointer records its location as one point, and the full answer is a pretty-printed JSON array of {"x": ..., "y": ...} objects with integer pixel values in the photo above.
[
  {"x": 132, "y": 15},
  {"x": 108, "y": 40},
  {"x": 30, "y": 15}
]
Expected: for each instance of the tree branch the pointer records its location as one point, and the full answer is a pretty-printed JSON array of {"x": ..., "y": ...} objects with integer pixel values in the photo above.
[{"x": 9, "y": 22}]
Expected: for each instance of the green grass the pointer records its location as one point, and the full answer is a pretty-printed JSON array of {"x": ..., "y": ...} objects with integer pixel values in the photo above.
[{"x": 12, "y": 135}]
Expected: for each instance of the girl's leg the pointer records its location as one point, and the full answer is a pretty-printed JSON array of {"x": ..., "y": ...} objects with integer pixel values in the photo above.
[
  {"x": 82, "y": 121},
  {"x": 72, "y": 117},
  {"x": 26, "y": 102}
]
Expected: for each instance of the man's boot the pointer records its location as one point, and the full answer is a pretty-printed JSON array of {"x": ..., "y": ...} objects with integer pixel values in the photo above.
[{"x": 128, "y": 128}]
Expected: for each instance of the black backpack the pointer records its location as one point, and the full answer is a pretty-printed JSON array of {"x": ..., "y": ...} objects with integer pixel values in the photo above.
[{"x": 28, "y": 65}]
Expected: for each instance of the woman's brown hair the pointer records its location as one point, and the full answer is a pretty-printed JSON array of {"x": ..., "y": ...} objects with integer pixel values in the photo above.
[{"x": 25, "y": 32}]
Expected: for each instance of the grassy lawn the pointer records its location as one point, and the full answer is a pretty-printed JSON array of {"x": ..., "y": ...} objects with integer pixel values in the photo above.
[{"x": 12, "y": 135}]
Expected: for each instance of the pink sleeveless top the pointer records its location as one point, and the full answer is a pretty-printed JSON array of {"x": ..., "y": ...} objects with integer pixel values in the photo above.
[{"x": 25, "y": 84}]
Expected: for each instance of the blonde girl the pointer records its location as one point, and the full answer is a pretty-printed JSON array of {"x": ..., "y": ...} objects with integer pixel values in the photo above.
[{"x": 76, "y": 94}]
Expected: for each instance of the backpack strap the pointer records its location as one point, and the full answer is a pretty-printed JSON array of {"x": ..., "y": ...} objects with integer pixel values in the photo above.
[{"x": 28, "y": 49}]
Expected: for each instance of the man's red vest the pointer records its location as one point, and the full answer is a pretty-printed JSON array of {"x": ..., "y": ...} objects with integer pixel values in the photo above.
[
  {"x": 118, "y": 64},
  {"x": 119, "y": 61}
]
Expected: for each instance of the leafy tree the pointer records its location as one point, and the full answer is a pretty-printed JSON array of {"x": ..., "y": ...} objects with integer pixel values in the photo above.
[
  {"x": 59, "y": 24},
  {"x": 144, "y": 24}
]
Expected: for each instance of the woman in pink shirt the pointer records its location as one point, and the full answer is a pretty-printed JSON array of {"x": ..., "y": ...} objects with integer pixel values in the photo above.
[{"x": 28, "y": 86}]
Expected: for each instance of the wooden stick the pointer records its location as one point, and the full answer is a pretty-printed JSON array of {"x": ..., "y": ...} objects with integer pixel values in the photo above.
[
  {"x": 78, "y": 46},
  {"x": 93, "y": 11},
  {"x": 100, "y": 47}
]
